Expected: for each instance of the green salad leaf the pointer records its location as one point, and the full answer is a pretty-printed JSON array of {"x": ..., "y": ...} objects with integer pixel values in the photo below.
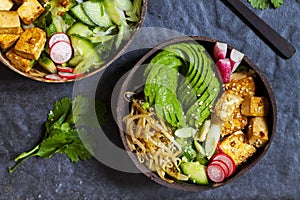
[{"x": 65, "y": 126}]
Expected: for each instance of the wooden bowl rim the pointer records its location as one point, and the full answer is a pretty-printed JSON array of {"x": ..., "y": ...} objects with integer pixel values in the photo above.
[
  {"x": 189, "y": 186},
  {"x": 121, "y": 51}
]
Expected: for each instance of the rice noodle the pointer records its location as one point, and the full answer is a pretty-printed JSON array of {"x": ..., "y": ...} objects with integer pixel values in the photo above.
[{"x": 153, "y": 142}]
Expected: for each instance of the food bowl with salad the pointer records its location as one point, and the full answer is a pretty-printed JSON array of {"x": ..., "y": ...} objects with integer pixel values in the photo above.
[
  {"x": 195, "y": 113},
  {"x": 65, "y": 40}
]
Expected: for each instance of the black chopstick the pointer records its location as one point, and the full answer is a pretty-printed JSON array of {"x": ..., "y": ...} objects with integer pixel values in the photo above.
[{"x": 271, "y": 37}]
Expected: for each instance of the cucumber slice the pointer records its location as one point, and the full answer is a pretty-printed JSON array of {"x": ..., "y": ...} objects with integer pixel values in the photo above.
[
  {"x": 195, "y": 171},
  {"x": 112, "y": 10},
  {"x": 97, "y": 13},
  {"x": 75, "y": 60},
  {"x": 79, "y": 13},
  {"x": 80, "y": 29},
  {"x": 85, "y": 49}
]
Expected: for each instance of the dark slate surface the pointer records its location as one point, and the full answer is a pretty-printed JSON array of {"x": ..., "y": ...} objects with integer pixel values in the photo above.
[{"x": 24, "y": 105}]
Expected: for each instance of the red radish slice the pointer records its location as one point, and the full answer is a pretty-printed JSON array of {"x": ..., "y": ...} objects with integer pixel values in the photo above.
[
  {"x": 223, "y": 165},
  {"x": 226, "y": 159},
  {"x": 236, "y": 58},
  {"x": 61, "y": 52},
  {"x": 68, "y": 75},
  {"x": 53, "y": 77},
  {"x": 220, "y": 50},
  {"x": 215, "y": 173},
  {"x": 64, "y": 69},
  {"x": 58, "y": 37},
  {"x": 224, "y": 66}
]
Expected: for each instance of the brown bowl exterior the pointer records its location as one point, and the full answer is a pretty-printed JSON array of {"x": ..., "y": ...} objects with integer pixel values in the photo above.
[
  {"x": 123, "y": 109},
  {"x": 38, "y": 75}
]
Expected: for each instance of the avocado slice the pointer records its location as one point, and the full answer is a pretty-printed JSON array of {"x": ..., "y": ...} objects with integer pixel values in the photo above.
[
  {"x": 155, "y": 75},
  {"x": 201, "y": 109},
  {"x": 47, "y": 63},
  {"x": 195, "y": 171},
  {"x": 192, "y": 97}
]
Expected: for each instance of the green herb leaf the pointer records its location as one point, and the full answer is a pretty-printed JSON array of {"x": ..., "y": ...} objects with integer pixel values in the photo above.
[
  {"x": 263, "y": 4},
  {"x": 62, "y": 135},
  {"x": 277, "y": 3},
  {"x": 259, "y": 4},
  {"x": 58, "y": 115}
]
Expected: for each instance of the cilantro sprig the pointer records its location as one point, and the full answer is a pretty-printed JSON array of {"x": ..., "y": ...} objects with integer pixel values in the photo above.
[
  {"x": 65, "y": 126},
  {"x": 263, "y": 4}
]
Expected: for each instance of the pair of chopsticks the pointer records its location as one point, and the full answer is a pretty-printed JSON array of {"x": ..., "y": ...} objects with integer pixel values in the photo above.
[{"x": 270, "y": 36}]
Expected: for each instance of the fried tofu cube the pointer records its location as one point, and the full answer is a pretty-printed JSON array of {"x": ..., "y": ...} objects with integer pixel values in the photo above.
[
  {"x": 6, "y": 4},
  {"x": 255, "y": 106},
  {"x": 238, "y": 122},
  {"x": 243, "y": 87},
  {"x": 227, "y": 104},
  {"x": 236, "y": 147},
  {"x": 258, "y": 131},
  {"x": 9, "y": 22},
  {"x": 30, "y": 10},
  {"x": 7, "y": 40},
  {"x": 31, "y": 43},
  {"x": 18, "y": 62}
]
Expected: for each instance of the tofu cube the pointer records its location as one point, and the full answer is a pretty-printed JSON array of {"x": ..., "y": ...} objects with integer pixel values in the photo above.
[
  {"x": 9, "y": 22},
  {"x": 238, "y": 122},
  {"x": 31, "y": 43},
  {"x": 227, "y": 104},
  {"x": 7, "y": 40},
  {"x": 243, "y": 87},
  {"x": 255, "y": 106},
  {"x": 236, "y": 147},
  {"x": 258, "y": 131},
  {"x": 6, "y": 4},
  {"x": 18, "y": 62},
  {"x": 30, "y": 10}
]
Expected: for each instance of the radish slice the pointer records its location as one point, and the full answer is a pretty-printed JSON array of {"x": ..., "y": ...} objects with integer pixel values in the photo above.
[
  {"x": 58, "y": 37},
  {"x": 215, "y": 173},
  {"x": 53, "y": 77},
  {"x": 226, "y": 159},
  {"x": 223, "y": 165},
  {"x": 224, "y": 66},
  {"x": 236, "y": 58},
  {"x": 68, "y": 75},
  {"x": 64, "y": 69},
  {"x": 61, "y": 52},
  {"x": 220, "y": 50}
]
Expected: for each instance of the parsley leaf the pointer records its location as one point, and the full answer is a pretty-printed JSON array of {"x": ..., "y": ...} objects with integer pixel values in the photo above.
[
  {"x": 259, "y": 4},
  {"x": 277, "y": 3},
  {"x": 63, "y": 134},
  {"x": 263, "y": 4}
]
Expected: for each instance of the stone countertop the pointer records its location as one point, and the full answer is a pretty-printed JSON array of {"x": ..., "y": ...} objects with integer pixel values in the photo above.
[{"x": 24, "y": 105}]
